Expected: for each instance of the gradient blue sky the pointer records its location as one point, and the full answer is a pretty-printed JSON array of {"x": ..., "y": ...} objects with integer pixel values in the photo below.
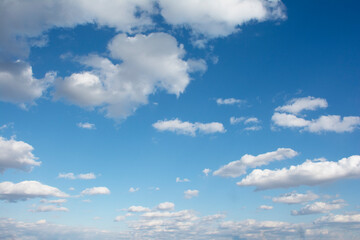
[{"x": 145, "y": 95}]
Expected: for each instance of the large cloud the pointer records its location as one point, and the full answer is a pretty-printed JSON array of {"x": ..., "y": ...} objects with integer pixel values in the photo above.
[
  {"x": 148, "y": 63},
  {"x": 308, "y": 173},
  {"x": 214, "y": 18},
  {"x": 188, "y": 128},
  {"x": 238, "y": 168},
  {"x": 16, "y": 154},
  {"x": 13, "y": 192}
]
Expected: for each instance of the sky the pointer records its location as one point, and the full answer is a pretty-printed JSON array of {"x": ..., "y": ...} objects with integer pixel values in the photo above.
[{"x": 160, "y": 119}]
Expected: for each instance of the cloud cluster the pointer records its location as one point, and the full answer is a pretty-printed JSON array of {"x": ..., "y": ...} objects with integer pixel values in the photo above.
[
  {"x": 295, "y": 198},
  {"x": 17, "y": 155},
  {"x": 14, "y": 192},
  {"x": 148, "y": 63},
  {"x": 238, "y": 168},
  {"x": 72, "y": 176},
  {"x": 251, "y": 123},
  {"x": 319, "y": 207},
  {"x": 286, "y": 116},
  {"x": 188, "y": 128},
  {"x": 308, "y": 173}
]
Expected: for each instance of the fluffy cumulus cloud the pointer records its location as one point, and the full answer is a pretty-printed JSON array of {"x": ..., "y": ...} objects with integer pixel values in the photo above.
[
  {"x": 166, "y": 206},
  {"x": 72, "y": 176},
  {"x": 14, "y": 192},
  {"x": 86, "y": 125},
  {"x": 214, "y": 18},
  {"x": 298, "y": 105},
  {"x": 18, "y": 85},
  {"x": 341, "y": 218},
  {"x": 286, "y": 116},
  {"x": 137, "y": 209},
  {"x": 17, "y": 155},
  {"x": 132, "y": 189},
  {"x": 295, "y": 198},
  {"x": 238, "y": 168},
  {"x": 188, "y": 128},
  {"x": 319, "y": 207},
  {"x": 188, "y": 194},
  {"x": 229, "y": 101},
  {"x": 308, "y": 173},
  {"x": 50, "y": 208},
  {"x": 148, "y": 63},
  {"x": 206, "y": 171},
  {"x": 96, "y": 191}
]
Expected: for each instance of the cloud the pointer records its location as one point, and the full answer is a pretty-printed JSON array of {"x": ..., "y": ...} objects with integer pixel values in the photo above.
[
  {"x": 56, "y": 201},
  {"x": 132, "y": 190},
  {"x": 86, "y": 125},
  {"x": 179, "y": 180},
  {"x": 235, "y": 120},
  {"x": 17, "y": 84},
  {"x": 148, "y": 63},
  {"x": 119, "y": 218},
  {"x": 188, "y": 128},
  {"x": 50, "y": 208},
  {"x": 191, "y": 193},
  {"x": 308, "y": 173},
  {"x": 229, "y": 101},
  {"x": 14, "y": 192},
  {"x": 330, "y": 123},
  {"x": 96, "y": 191},
  {"x": 17, "y": 155},
  {"x": 216, "y": 18},
  {"x": 138, "y": 209},
  {"x": 253, "y": 128},
  {"x": 265, "y": 207},
  {"x": 341, "y": 218},
  {"x": 166, "y": 206},
  {"x": 251, "y": 120},
  {"x": 238, "y": 168},
  {"x": 295, "y": 198},
  {"x": 206, "y": 171},
  {"x": 319, "y": 207},
  {"x": 72, "y": 176},
  {"x": 297, "y": 105}
]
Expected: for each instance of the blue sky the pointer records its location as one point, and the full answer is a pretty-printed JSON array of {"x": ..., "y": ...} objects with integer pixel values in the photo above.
[{"x": 159, "y": 119}]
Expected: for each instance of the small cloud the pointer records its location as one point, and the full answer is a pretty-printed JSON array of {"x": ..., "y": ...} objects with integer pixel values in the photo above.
[
  {"x": 265, "y": 207},
  {"x": 72, "y": 176},
  {"x": 133, "y": 189},
  {"x": 119, "y": 218},
  {"x": 206, "y": 171},
  {"x": 166, "y": 206},
  {"x": 49, "y": 208},
  {"x": 137, "y": 209},
  {"x": 230, "y": 101},
  {"x": 86, "y": 125},
  {"x": 191, "y": 193},
  {"x": 179, "y": 180},
  {"x": 96, "y": 191}
]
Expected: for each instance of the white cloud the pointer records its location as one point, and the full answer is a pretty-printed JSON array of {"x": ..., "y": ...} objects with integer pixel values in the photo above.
[
  {"x": 179, "y": 180},
  {"x": 253, "y": 128},
  {"x": 86, "y": 125},
  {"x": 188, "y": 128},
  {"x": 214, "y": 18},
  {"x": 119, "y": 218},
  {"x": 319, "y": 207},
  {"x": 265, "y": 207},
  {"x": 206, "y": 171},
  {"x": 50, "y": 208},
  {"x": 235, "y": 120},
  {"x": 297, "y": 105},
  {"x": 17, "y": 84},
  {"x": 138, "y": 209},
  {"x": 13, "y": 192},
  {"x": 295, "y": 198},
  {"x": 229, "y": 101},
  {"x": 238, "y": 168},
  {"x": 17, "y": 155},
  {"x": 133, "y": 189},
  {"x": 191, "y": 193},
  {"x": 330, "y": 123},
  {"x": 72, "y": 176},
  {"x": 341, "y": 218},
  {"x": 308, "y": 173},
  {"x": 96, "y": 191},
  {"x": 56, "y": 201},
  {"x": 166, "y": 206},
  {"x": 148, "y": 63},
  {"x": 251, "y": 120}
]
